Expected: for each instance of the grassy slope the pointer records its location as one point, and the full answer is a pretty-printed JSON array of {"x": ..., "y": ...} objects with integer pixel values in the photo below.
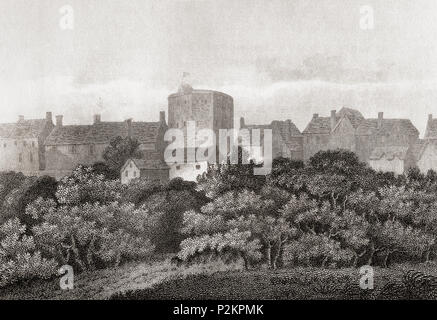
[
  {"x": 162, "y": 280},
  {"x": 102, "y": 284}
]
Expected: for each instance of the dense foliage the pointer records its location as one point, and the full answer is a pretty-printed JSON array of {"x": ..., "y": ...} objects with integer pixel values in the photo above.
[{"x": 331, "y": 212}]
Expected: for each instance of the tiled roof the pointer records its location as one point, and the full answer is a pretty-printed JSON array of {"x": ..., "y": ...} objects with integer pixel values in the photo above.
[
  {"x": 353, "y": 115},
  {"x": 319, "y": 125},
  {"x": 322, "y": 125},
  {"x": 103, "y": 132},
  {"x": 287, "y": 129},
  {"x": 431, "y": 129},
  {"x": 389, "y": 153},
  {"x": 23, "y": 129},
  {"x": 143, "y": 164},
  {"x": 423, "y": 145},
  {"x": 370, "y": 127}
]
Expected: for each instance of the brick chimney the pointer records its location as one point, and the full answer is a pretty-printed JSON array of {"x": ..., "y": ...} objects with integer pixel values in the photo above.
[
  {"x": 333, "y": 119},
  {"x": 59, "y": 120},
  {"x": 20, "y": 118},
  {"x": 162, "y": 117},
  {"x": 97, "y": 118},
  {"x": 129, "y": 128},
  {"x": 242, "y": 124},
  {"x": 49, "y": 116},
  {"x": 380, "y": 118}
]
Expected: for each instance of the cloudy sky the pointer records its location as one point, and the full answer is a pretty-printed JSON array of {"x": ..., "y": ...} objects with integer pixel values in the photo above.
[{"x": 279, "y": 59}]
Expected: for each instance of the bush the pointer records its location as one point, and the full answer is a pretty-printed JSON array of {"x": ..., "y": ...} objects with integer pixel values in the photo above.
[{"x": 19, "y": 259}]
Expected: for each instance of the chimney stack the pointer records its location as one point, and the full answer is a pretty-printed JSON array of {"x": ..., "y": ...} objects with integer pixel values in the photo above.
[
  {"x": 49, "y": 116},
  {"x": 129, "y": 128},
  {"x": 20, "y": 118},
  {"x": 162, "y": 117},
  {"x": 430, "y": 117},
  {"x": 380, "y": 118},
  {"x": 333, "y": 119},
  {"x": 315, "y": 115},
  {"x": 97, "y": 118},
  {"x": 242, "y": 124},
  {"x": 59, "y": 121}
]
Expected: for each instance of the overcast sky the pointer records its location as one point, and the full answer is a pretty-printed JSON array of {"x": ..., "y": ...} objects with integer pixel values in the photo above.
[{"x": 278, "y": 59}]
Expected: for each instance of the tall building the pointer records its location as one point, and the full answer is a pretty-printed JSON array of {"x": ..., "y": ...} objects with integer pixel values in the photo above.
[
  {"x": 22, "y": 145},
  {"x": 208, "y": 109}
]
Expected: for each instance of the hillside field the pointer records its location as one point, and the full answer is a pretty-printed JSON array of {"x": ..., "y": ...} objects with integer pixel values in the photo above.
[{"x": 162, "y": 280}]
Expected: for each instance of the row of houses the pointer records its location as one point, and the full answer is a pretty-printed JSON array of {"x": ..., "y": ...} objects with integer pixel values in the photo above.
[
  {"x": 390, "y": 145},
  {"x": 41, "y": 147}
]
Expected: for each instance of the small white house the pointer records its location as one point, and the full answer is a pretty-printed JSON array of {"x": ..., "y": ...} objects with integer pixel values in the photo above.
[{"x": 140, "y": 168}]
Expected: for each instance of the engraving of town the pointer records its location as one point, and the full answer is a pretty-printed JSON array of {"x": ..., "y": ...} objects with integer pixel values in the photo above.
[{"x": 218, "y": 150}]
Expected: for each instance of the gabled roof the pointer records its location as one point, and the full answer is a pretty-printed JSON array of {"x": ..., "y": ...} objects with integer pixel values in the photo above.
[
  {"x": 353, "y": 115},
  {"x": 322, "y": 125},
  {"x": 23, "y": 129},
  {"x": 423, "y": 146},
  {"x": 389, "y": 153},
  {"x": 431, "y": 129},
  {"x": 287, "y": 129},
  {"x": 318, "y": 125},
  {"x": 370, "y": 127},
  {"x": 103, "y": 132}
]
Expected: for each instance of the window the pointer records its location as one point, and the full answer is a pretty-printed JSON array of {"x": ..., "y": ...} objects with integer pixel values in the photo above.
[
  {"x": 20, "y": 158},
  {"x": 54, "y": 148},
  {"x": 198, "y": 166},
  {"x": 130, "y": 165},
  {"x": 73, "y": 149},
  {"x": 91, "y": 149},
  {"x": 15, "y": 142},
  {"x": 127, "y": 174},
  {"x": 24, "y": 143},
  {"x": 33, "y": 144},
  {"x": 31, "y": 157},
  {"x": 178, "y": 167},
  {"x": 5, "y": 145},
  {"x": 135, "y": 173}
]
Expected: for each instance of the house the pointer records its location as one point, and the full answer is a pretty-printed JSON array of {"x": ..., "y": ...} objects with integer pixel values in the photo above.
[
  {"x": 190, "y": 170},
  {"x": 70, "y": 145},
  {"x": 152, "y": 169},
  {"x": 348, "y": 129},
  {"x": 287, "y": 140},
  {"x": 397, "y": 159},
  {"x": 338, "y": 131},
  {"x": 22, "y": 145}
]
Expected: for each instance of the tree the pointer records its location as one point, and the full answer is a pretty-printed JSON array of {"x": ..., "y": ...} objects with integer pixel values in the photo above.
[
  {"x": 19, "y": 259},
  {"x": 29, "y": 190},
  {"x": 90, "y": 236},
  {"x": 119, "y": 151}
]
